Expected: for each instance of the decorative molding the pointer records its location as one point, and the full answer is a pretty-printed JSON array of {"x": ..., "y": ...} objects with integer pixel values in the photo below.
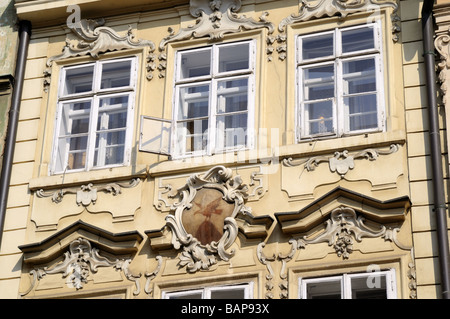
[
  {"x": 266, "y": 261},
  {"x": 166, "y": 191},
  {"x": 79, "y": 262},
  {"x": 311, "y": 9},
  {"x": 95, "y": 39},
  {"x": 150, "y": 276},
  {"x": 442, "y": 44},
  {"x": 263, "y": 259},
  {"x": 214, "y": 19},
  {"x": 344, "y": 227},
  {"x": 284, "y": 285},
  {"x": 87, "y": 194},
  {"x": 341, "y": 162},
  {"x": 226, "y": 202}
]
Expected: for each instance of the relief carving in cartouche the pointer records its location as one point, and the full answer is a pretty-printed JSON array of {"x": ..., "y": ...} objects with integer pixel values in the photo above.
[{"x": 204, "y": 223}]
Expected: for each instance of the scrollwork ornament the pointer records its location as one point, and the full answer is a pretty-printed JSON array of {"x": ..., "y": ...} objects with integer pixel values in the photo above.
[
  {"x": 228, "y": 193},
  {"x": 343, "y": 228},
  {"x": 79, "y": 263}
]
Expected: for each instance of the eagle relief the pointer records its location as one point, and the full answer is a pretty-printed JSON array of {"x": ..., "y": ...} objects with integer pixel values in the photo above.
[{"x": 204, "y": 224}]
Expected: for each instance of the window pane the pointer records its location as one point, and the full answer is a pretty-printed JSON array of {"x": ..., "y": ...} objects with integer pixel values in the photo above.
[
  {"x": 111, "y": 131},
  {"x": 116, "y": 74},
  {"x": 196, "y": 63},
  {"x": 228, "y": 293},
  {"x": 358, "y": 39},
  {"x": 193, "y": 102},
  {"x": 186, "y": 295},
  {"x": 324, "y": 289},
  {"x": 319, "y": 117},
  {"x": 232, "y": 131},
  {"x": 319, "y": 82},
  {"x": 78, "y": 80},
  {"x": 362, "y": 111},
  {"x": 192, "y": 136},
  {"x": 359, "y": 76},
  {"x": 318, "y": 46},
  {"x": 232, "y": 96},
  {"x": 234, "y": 57},
  {"x": 366, "y": 288}
]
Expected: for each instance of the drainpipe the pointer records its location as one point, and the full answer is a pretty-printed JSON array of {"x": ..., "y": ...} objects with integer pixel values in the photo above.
[
  {"x": 440, "y": 209},
  {"x": 24, "y": 39}
]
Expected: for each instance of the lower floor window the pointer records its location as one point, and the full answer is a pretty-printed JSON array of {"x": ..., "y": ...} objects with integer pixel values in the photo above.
[
  {"x": 219, "y": 292},
  {"x": 370, "y": 285}
]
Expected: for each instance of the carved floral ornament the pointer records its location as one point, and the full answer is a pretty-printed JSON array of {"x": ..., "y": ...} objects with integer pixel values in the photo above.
[{"x": 204, "y": 223}]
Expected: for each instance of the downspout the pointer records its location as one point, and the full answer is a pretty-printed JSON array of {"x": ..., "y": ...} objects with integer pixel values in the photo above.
[
  {"x": 24, "y": 40},
  {"x": 440, "y": 209}
]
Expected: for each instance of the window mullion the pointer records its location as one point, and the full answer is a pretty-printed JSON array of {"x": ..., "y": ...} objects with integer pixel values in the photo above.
[
  {"x": 339, "y": 110},
  {"x": 346, "y": 287},
  {"x": 212, "y": 125},
  {"x": 92, "y": 133}
]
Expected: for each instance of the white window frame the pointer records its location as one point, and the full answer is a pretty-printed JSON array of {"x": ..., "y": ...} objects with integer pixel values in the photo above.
[
  {"x": 94, "y": 96},
  {"x": 345, "y": 283},
  {"x": 212, "y": 80},
  {"x": 340, "y": 119},
  {"x": 206, "y": 291}
]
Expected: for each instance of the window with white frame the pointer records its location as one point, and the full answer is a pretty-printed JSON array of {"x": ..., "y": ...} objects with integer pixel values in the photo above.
[
  {"x": 243, "y": 291},
  {"x": 95, "y": 115},
  {"x": 213, "y": 107},
  {"x": 340, "y": 82},
  {"x": 369, "y": 285}
]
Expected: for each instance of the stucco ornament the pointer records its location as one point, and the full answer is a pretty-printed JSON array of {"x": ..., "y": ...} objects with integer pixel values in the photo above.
[
  {"x": 214, "y": 20},
  {"x": 311, "y": 9},
  {"x": 204, "y": 225},
  {"x": 94, "y": 39},
  {"x": 343, "y": 161},
  {"x": 344, "y": 227},
  {"x": 79, "y": 262}
]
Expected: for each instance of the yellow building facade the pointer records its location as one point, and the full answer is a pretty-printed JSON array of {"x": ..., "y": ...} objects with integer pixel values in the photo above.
[{"x": 252, "y": 149}]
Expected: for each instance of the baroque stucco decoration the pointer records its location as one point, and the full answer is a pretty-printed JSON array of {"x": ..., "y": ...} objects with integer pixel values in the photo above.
[
  {"x": 310, "y": 9},
  {"x": 95, "y": 39},
  {"x": 80, "y": 261},
  {"x": 208, "y": 202},
  {"x": 87, "y": 194},
  {"x": 214, "y": 19},
  {"x": 343, "y": 161}
]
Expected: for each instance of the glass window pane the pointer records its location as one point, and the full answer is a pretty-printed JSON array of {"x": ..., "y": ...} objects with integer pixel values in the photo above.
[
  {"x": 228, "y": 293},
  {"x": 232, "y": 131},
  {"x": 324, "y": 289},
  {"x": 232, "y": 95},
  {"x": 359, "y": 76},
  {"x": 186, "y": 295},
  {"x": 116, "y": 74},
  {"x": 78, "y": 80},
  {"x": 319, "y": 82},
  {"x": 193, "y": 102},
  {"x": 369, "y": 288},
  {"x": 234, "y": 57},
  {"x": 358, "y": 40},
  {"x": 362, "y": 112},
  {"x": 194, "y": 64},
  {"x": 319, "y": 117},
  {"x": 317, "y": 46},
  {"x": 192, "y": 136}
]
